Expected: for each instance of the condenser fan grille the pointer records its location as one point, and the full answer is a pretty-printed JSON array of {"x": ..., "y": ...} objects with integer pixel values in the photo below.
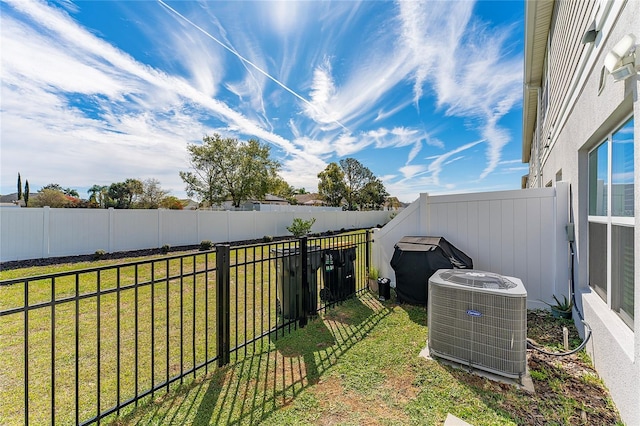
[{"x": 478, "y": 279}]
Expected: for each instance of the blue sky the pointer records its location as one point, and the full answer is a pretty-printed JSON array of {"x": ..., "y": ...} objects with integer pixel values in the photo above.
[{"x": 425, "y": 94}]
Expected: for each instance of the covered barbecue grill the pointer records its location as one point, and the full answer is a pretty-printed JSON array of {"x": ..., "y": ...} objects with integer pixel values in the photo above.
[{"x": 415, "y": 259}]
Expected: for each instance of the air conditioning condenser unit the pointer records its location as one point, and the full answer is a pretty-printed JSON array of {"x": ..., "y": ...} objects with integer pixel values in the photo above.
[{"x": 478, "y": 319}]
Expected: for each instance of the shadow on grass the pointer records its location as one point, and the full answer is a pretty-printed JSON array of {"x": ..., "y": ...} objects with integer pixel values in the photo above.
[
  {"x": 416, "y": 313},
  {"x": 272, "y": 373}
]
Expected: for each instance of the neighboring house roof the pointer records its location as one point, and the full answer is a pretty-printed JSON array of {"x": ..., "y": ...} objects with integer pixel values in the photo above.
[
  {"x": 268, "y": 198},
  {"x": 189, "y": 204},
  {"x": 312, "y": 199},
  {"x": 536, "y": 32}
]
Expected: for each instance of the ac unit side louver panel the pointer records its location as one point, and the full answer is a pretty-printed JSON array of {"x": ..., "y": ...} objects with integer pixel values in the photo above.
[{"x": 479, "y": 327}]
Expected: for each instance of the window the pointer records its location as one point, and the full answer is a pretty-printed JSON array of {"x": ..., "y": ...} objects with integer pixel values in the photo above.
[{"x": 611, "y": 221}]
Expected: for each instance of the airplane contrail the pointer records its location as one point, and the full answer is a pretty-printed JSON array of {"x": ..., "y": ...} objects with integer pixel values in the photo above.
[{"x": 242, "y": 58}]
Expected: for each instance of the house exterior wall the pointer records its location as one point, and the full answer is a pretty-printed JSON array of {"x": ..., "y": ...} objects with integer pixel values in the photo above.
[{"x": 580, "y": 117}]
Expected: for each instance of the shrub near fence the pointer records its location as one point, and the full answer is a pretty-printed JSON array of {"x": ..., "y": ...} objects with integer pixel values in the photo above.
[{"x": 79, "y": 346}]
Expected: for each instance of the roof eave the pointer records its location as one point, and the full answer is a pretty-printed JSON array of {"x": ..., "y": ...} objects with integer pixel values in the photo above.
[{"x": 538, "y": 14}]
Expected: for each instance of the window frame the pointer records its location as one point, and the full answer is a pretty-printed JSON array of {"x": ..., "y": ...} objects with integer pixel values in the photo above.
[{"x": 608, "y": 219}]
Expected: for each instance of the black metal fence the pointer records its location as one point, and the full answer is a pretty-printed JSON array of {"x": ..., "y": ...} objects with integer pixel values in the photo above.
[{"x": 79, "y": 346}]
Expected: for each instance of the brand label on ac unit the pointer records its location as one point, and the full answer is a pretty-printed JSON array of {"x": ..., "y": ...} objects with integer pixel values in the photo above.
[{"x": 473, "y": 313}]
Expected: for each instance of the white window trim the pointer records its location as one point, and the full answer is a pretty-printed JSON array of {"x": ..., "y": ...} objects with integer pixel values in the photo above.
[{"x": 608, "y": 219}]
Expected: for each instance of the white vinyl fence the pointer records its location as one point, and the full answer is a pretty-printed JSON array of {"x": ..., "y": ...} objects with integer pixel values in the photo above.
[
  {"x": 32, "y": 233},
  {"x": 515, "y": 233}
]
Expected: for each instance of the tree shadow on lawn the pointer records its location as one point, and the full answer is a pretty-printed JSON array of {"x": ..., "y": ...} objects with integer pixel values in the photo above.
[{"x": 271, "y": 374}]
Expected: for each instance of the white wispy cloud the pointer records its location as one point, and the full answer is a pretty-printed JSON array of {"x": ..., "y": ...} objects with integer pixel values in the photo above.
[
  {"x": 102, "y": 112},
  {"x": 465, "y": 64},
  {"x": 142, "y": 100}
]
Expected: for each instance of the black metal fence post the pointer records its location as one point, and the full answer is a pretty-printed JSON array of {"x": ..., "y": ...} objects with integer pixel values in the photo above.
[
  {"x": 223, "y": 301},
  {"x": 304, "y": 295}
]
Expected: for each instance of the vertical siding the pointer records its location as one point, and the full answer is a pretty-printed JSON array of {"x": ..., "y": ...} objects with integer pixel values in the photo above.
[{"x": 572, "y": 18}]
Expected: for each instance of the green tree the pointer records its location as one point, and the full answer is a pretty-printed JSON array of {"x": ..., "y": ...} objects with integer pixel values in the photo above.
[
  {"x": 373, "y": 195},
  {"x": 152, "y": 194},
  {"x": 354, "y": 183},
  {"x": 356, "y": 178},
  {"x": 394, "y": 203},
  {"x": 71, "y": 192},
  {"x": 118, "y": 196},
  {"x": 54, "y": 186},
  {"x": 98, "y": 195},
  {"x": 25, "y": 196},
  {"x": 331, "y": 187},
  {"x": 135, "y": 188},
  {"x": 225, "y": 168},
  {"x": 66, "y": 191},
  {"x": 50, "y": 197},
  {"x": 171, "y": 202},
  {"x": 123, "y": 195},
  {"x": 280, "y": 188},
  {"x": 19, "y": 187}
]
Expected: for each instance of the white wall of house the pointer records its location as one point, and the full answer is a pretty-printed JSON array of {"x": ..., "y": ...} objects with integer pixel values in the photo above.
[
  {"x": 581, "y": 117},
  {"x": 46, "y": 232},
  {"x": 514, "y": 233}
]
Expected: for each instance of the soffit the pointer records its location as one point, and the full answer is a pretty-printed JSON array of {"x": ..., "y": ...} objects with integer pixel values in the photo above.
[{"x": 538, "y": 14}]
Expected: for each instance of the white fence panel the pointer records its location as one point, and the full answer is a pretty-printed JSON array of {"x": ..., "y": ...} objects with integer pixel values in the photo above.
[
  {"x": 21, "y": 233},
  {"x": 212, "y": 226},
  {"x": 36, "y": 233},
  {"x": 242, "y": 227},
  {"x": 407, "y": 222},
  {"x": 70, "y": 230},
  {"x": 514, "y": 233},
  {"x": 177, "y": 228},
  {"x": 133, "y": 229}
]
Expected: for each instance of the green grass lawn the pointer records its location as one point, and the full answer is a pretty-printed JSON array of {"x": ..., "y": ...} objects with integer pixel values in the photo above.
[
  {"x": 173, "y": 309},
  {"x": 358, "y": 364}
]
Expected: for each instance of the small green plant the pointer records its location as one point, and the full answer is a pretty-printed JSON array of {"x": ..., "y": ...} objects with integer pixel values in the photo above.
[
  {"x": 166, "y": 248},
  {"x": 301, "y": 227},
  {"x": 99, "y": 254},
  {"x": 538, "y": 375},
  {"x": 565, "y": 306},
  {"x": 206, "y": 245},
  {"x": 373, "y": 273},
  {"x": 267, "y": 239}
]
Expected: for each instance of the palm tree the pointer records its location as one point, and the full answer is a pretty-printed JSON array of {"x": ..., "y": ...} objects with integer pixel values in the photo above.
[
  {"x": 95, "y": 189},
  {"x": 97, "y": 194}
]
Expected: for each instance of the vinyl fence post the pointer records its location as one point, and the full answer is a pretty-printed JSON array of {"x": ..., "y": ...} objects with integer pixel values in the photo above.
[
  {"x": 304, "y": 295},
  {"x": 223, "y": 301},
  {"x": 367, "y": 255}
]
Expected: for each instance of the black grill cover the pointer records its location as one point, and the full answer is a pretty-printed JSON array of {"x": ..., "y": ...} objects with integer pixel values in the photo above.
[{"x": 415, "y": 259}]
